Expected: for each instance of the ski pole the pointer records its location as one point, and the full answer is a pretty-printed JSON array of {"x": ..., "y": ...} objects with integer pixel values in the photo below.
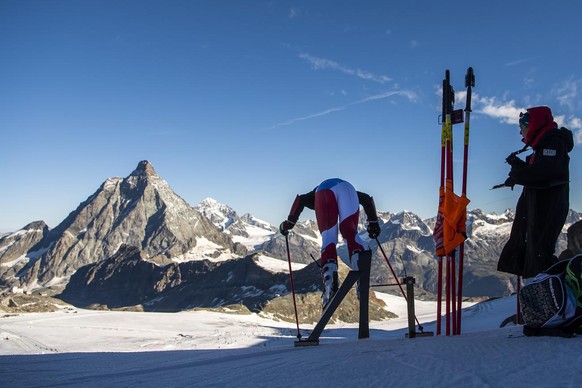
[
  {"x": 449, "y": 100},
  {"x": 292, "y": 286},
  {"x": 396, "y": 278},
  {"x": 315, "y": 261}
]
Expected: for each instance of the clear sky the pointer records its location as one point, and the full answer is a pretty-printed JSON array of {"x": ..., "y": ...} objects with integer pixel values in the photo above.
[{"x": 252, "y": 102}]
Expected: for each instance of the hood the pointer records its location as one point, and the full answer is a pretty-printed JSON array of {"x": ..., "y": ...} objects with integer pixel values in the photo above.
[
  {"x": 540, "y": 122},
  {"x": 567, "y": 137}
]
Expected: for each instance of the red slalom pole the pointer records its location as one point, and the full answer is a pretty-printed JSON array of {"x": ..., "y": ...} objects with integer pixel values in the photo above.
[
  {"x": 448, "y": 298},
  {"x": 454, "y": 293},
  {"x": 441, "y": 198},
  {"x": 449, "y": 98},
  {"x": 469, "y": 84},
  {"x": 460, "y": 287},
  {"x": 439, "y": 295}
]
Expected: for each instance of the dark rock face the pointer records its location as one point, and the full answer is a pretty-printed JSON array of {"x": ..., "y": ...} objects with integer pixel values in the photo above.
[
  {"x": 16, "y": 244},
  {"x": 127, "y": 281},
  {"x": 14, "y": 247}
]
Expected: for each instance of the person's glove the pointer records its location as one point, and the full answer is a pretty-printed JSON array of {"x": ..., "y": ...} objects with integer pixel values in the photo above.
[
  {"x": 510, "y": 182},
  {"x": 373, "y": 229},
  {"x": 514, "y": 161},
  {"x": 285, "y": 227}
]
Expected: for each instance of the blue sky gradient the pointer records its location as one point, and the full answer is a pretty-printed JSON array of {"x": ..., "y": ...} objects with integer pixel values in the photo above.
[{"x": 252, "y": 102}]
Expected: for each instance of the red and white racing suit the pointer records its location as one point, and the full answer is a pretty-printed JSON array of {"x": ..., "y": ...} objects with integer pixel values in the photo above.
[{"x": 336, "y": 204}]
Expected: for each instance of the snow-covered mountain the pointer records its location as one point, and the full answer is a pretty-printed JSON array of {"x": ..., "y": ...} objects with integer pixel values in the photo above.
[
  {"x": 143, "y": 211},
  {"x": 17, "y": 248},
  {"x": 258, "y": 235},
  {"x": 140, "y": 210},
  {"x": 15, "y": 245},
  {"x": 245, "y": 230},
  {"x": 409, "y": 246},
  {"x": 220, "y": 215}
]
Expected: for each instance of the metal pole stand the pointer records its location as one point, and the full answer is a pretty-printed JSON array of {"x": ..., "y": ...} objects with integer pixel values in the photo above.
[
  {"x": 365, "y": 263},
  {"x": 409, "y": 281}
]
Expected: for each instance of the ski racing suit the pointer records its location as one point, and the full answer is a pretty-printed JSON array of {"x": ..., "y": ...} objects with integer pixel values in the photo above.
[{"x": 335, "y": 199}]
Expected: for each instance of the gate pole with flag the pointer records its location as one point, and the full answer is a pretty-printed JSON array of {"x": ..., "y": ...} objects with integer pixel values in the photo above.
[
  {"x": 450, "y": 226},
  {"x": 438, "y": 229}
]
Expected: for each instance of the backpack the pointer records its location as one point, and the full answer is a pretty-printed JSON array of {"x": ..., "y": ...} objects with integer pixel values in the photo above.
[
  {"x": 573, "y": 277},
  {"x": 549, "y": 305}
]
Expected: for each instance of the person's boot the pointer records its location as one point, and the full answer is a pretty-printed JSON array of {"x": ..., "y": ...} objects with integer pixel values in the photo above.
[{"x": 330, "y": 282}]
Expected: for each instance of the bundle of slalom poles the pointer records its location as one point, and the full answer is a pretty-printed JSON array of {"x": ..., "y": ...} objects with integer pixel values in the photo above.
[{"x": 453, "y": 285}]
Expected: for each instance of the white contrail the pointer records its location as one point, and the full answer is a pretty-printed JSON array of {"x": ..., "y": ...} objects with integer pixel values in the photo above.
[{"x": 405, "y": 93}]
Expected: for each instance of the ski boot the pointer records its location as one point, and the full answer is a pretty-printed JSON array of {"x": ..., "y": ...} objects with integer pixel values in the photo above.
[{"x": 330, "y": 282}]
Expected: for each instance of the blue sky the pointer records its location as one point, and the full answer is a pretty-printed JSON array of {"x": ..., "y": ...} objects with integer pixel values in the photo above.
[{"x": 252, "y": 102}]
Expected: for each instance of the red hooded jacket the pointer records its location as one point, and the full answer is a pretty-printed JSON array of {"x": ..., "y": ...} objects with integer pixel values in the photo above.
[
  {"x": 540, "y": 122},
  {"x": 543, "y": 205}
]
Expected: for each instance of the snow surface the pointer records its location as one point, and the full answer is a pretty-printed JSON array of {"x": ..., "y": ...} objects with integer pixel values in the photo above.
[
  {"x": 74, "y": 347},
  {"x": 204, "y": 250},
  {"x": 276, "y": 265},
  {"x": 257, "y": 236}
]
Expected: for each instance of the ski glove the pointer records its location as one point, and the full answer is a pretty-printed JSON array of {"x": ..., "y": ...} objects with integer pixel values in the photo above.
[
  {"x": 285, "y": 227},
  {"x": 514, "y": 161},
  {"x": 373, "y": 229},
  {"x": 510, "y": 182}
]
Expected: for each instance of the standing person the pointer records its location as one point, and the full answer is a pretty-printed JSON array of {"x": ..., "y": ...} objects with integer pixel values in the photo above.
[
  {"x": 333, "y": 200},
  {"x": 544, "y": 202}
]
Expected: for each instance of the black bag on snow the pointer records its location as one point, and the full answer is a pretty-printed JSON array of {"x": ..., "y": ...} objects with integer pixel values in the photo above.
[{"x": 548, "y": 304}]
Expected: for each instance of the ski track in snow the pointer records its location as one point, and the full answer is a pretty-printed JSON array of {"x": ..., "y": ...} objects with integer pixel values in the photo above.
[
  {"x": 434, "y": 362},
  {"x": 27, "y": 344}
]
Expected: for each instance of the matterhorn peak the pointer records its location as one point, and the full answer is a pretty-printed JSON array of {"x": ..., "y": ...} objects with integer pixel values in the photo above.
[{"x": 144, "y": 168}]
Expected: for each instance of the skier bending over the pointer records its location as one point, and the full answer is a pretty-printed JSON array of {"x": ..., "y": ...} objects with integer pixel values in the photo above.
[{"x": 335, "y": 199}]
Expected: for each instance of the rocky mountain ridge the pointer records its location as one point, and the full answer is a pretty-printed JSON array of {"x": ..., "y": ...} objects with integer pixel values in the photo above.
[
  {"x": 140, "y": 210},
  {"x": 136, "y": 244}
]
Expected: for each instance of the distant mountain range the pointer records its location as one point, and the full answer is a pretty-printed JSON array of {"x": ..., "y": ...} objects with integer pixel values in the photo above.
[{"x": 134, "y": 242}]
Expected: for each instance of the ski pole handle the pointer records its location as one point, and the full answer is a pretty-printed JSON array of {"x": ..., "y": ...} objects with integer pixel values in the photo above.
[
  {"x": 469, "y": 83},
  {"x": 470, "y": 78}
]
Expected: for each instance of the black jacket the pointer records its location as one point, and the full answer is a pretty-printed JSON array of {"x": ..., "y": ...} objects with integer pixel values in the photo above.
[{"x": 542, "y": 207}]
